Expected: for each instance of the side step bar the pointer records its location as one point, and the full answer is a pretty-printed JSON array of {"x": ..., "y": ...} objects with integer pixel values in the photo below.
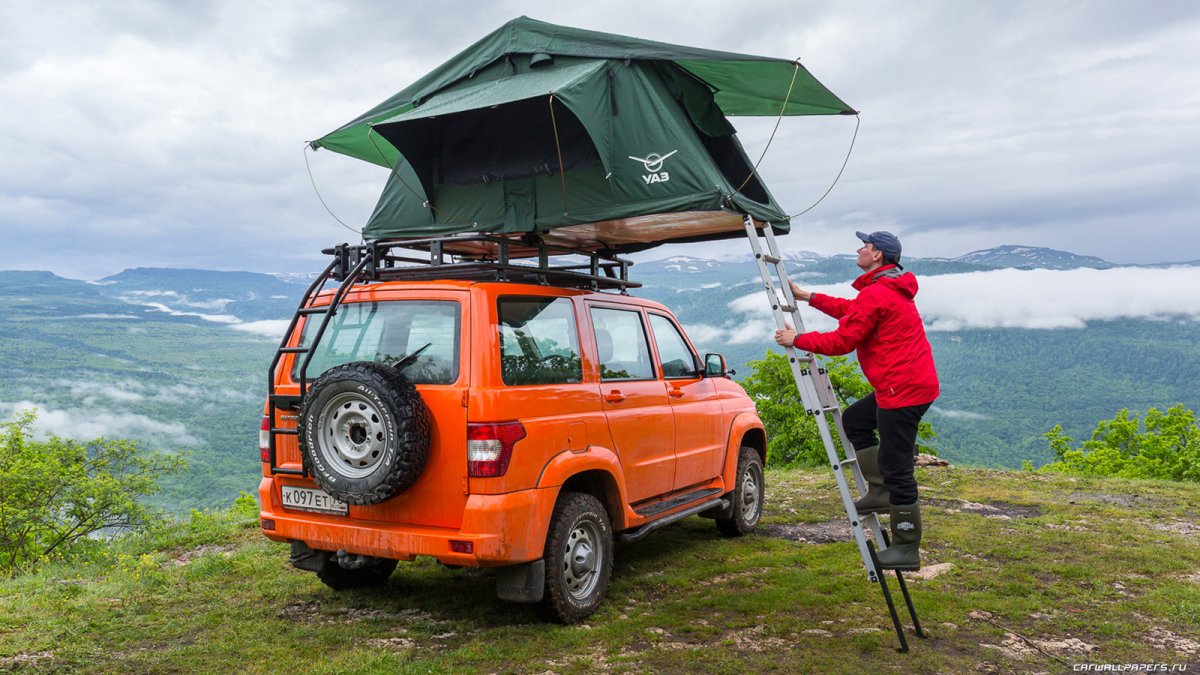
[{"x": 643, "y": 531}]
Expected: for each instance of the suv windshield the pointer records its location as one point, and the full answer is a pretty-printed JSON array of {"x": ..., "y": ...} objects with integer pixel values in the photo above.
[{"x": 420, "y": 337}]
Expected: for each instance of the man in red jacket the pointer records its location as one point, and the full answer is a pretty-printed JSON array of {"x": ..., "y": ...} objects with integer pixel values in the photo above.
[{"x": 883, "y": 326}]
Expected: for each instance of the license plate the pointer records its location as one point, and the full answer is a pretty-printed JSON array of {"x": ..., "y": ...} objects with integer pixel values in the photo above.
[{"x": 312, "y": 499}]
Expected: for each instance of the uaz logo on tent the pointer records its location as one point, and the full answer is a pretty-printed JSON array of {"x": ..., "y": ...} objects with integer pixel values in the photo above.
[{"x": 654, "y": 164}]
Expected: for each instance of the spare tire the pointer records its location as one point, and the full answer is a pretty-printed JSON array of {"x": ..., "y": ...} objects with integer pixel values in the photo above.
[{"x": 364, "y": 432}]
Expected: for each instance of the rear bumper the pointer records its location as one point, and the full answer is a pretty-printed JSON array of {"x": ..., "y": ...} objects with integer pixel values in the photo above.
[{"x": 502, "y": 529}]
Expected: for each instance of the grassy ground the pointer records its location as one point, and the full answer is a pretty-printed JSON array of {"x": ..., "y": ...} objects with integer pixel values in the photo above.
[{"x": 1037, "y": 573}]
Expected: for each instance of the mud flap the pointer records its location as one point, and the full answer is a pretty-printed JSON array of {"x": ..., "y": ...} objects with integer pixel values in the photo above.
[
  {"x": 305, "y": 558},
  {"x": 521, "y": 583}
]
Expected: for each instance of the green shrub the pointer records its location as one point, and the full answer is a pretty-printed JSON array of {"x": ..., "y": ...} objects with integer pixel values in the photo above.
[
  {"x": 61, "y": 497},
  {"x": 1163, "y": 445}
]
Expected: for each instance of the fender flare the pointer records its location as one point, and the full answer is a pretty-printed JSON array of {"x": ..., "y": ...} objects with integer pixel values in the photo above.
[
  {"x": 741, "y": 424},
  {"x": 566, "y": 464}
]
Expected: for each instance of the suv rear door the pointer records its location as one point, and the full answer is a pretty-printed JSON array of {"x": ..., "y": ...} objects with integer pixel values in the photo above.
[{"x": 392, "y": 325}]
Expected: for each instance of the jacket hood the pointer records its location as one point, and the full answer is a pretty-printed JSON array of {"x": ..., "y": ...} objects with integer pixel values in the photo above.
[{"x": 904, "y": 283}]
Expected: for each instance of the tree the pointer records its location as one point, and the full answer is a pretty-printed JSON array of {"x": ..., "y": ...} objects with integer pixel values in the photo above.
[
  {"x": 58, "y": 494},
  {"x": 1163, "y": 445},
  {"x": 793, "y": 436}
]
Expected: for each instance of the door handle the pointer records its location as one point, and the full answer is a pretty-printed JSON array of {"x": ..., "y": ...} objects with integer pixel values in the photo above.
[
  {"x": 614, "y": 396},
  {"x": 675, "y": 393}
]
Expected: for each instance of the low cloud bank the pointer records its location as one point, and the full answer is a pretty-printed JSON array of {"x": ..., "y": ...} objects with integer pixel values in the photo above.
[
  {"x": 1029, "y": 299},
  {"x": 1047, "y": 299},
  {"x": 272, "y": 328},
  {"x": 89, "y": 423}
]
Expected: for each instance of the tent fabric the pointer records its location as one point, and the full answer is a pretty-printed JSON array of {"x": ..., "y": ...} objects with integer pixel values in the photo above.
[
  {"x": 745, "y": 84},
  {"x": 478, "y": 95},
  {"x": 598, "y": 144}
]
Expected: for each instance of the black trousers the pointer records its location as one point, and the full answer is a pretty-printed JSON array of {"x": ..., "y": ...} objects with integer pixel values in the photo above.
[{"x": 897, "y": 429}]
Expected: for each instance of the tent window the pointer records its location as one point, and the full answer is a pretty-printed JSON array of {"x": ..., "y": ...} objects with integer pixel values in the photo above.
[
  {"x": 510, "y": 141},
  {"x": 729, "y": 157}
]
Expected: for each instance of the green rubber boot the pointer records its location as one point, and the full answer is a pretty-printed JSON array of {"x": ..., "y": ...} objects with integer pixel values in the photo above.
[
  {"x": 876, "y": 499},
  {"x": 904, "y": 554}
]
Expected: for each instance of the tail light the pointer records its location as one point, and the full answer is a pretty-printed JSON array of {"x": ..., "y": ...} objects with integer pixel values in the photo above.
[
  {"x": 489, "y": 447},
  {"x": 264, "y": 439}
]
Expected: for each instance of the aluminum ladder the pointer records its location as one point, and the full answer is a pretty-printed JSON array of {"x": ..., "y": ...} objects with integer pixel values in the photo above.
[{"x": 820, "y": 401}]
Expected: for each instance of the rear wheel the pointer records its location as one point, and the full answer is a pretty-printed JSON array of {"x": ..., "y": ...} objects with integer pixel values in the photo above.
[
  {"x": 747, "y": 496},
  {"x": 372, "y": 573},
  {"x": 578, "y": 555}
]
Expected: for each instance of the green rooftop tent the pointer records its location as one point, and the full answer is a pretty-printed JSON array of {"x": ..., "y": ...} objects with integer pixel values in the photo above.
[{"x": 594, "y": 140}]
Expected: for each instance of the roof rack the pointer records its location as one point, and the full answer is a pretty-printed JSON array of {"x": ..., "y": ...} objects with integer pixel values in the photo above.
[{"x": 482, "y": 257}]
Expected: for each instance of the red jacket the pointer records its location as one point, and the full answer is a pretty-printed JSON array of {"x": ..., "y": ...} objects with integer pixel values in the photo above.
[{"x": 882, "y": 323}]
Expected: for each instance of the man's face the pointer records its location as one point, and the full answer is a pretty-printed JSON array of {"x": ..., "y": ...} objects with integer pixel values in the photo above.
[{"x": 868, "y": 257}]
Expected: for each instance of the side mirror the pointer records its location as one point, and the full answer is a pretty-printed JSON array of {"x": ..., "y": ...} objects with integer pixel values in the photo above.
[{"x": 714, "y": 366}]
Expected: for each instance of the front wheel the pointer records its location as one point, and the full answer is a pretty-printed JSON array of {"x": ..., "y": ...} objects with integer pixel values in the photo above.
[
  {"x": 747, "y": 496},
  {"x": 578, "y": 555}
]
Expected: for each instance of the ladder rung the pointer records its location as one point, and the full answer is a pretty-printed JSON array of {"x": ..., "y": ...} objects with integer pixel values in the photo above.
[
  {"x": 312, "y": 310},
  {"x": 293, "y": 350},
  {"x": 771, "y": 259},
  {"x": 287, "y": 432},
  {"x": 788, "y": 308},
  {"x": 849, "y": 460}
]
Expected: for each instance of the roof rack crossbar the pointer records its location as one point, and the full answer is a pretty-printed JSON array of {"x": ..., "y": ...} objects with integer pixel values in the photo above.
[{"x": 482, "y": 257}]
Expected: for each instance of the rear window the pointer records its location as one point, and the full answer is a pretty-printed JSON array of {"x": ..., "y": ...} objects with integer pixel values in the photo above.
[
  {"x": 420, "y": 337},
  {"x": 539, "y": 343}
]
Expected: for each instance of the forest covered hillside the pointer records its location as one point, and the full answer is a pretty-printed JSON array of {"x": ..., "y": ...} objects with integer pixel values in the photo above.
[{"x": 177, "y": 358}]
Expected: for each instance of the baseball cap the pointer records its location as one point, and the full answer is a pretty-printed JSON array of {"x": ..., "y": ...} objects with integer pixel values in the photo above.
[{"x": 884, "y": 242}]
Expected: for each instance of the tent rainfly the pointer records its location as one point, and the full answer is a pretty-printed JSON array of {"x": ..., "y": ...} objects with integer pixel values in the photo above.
[{"x": 588, "y": 139}]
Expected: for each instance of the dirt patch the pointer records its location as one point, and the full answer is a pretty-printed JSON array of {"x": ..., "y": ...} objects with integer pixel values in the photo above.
[
  {"x": 999, "y": 510},
  {"x": 310, "y": 611},
  {"x": 722, "y": 578},
  {"x": 1018, "y": 646},
  {"x": 755, "y": 640},
  {"x": 396, "y": 644},
  {"x": 204, "y": 549},
  {"x": 929, "y": 571},
  {"x": 1163, "y": 638},
  {"x": 1127, "y": 501},
  {"x": 1174, "y": 527},
  {"x": 828, "y": 532},
  {"x": 596, "y": 660},
  {"x": 32, "y": 659}
]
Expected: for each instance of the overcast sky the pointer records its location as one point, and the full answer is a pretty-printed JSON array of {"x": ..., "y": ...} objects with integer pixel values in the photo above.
[{"x": 171, "y": 134}]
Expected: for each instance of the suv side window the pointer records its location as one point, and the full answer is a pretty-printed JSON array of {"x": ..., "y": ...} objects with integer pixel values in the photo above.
[
  {"x": 539, "y": 343},
  {"x": 420, "y": 337},
  {"x": 673, "y": 353},
  {"x": 623, "y": 350}
]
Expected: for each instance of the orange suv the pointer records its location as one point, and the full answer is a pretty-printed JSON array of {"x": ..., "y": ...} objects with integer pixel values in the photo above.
[{"x": 518, "y": 426}]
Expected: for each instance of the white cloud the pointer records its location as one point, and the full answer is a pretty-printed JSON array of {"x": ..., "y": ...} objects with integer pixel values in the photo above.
[
  {"x": 89, "y": 423},
  {"x": 272, "y": 328},
  {"x": 959, "y": 414},
  {"x": 1030, "y": 299},
  {"x": 1047, "y": 299},
  {"x": 215, "y": 318}
]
